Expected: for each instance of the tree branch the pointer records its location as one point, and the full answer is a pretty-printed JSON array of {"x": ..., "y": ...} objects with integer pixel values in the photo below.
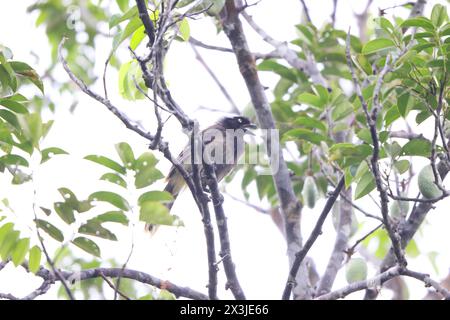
[
  {"x": 299, "y": 256},
  {"x": 281, "y": 48},
  {"x": 290, "y": 205}
]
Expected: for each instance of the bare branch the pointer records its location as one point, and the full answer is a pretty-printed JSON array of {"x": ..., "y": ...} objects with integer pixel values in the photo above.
[
  {"x": 216, "y": 80},
  {"x": 309, "y": 66},
  {"x": 299, "y": 256},
  {"x": 290, "y": 205},
  {"x": 371, "y": 122},
  {"x": 139, "y": 276},
  {"x": 382, "y": 278}
]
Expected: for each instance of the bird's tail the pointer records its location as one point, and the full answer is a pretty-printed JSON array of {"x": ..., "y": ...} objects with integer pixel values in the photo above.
[{"x": 173, "y": 187}]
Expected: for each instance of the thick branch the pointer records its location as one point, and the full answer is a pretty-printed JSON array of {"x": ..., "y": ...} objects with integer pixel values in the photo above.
[
  {"x": 290, "y": 205},
  {"x": 124, "y": 273}
]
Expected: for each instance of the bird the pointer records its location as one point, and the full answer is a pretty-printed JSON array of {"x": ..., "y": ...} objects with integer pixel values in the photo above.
[{"x": 223, "y": 145}]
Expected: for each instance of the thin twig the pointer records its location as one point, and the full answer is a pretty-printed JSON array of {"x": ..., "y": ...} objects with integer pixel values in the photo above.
[
  {"x": 306, "y": 11},
  {"x": 224, "y": 91},
  {"x": 116, "y": 289},
  {"x": 371, "y": 122}
]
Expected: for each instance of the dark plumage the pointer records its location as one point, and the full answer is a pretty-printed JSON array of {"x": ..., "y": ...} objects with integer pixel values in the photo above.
[{"x": 223, "y": 142}]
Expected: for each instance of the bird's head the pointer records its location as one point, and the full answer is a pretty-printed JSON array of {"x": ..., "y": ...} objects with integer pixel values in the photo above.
[{"x": 237, "y": 122}]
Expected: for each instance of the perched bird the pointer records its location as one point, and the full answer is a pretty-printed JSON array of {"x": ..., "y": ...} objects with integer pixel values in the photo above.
[{"x": 223, "y": 145}]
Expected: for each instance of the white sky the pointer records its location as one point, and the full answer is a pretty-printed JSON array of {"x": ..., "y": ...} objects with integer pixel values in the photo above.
[{"x": 180, "y": 255}]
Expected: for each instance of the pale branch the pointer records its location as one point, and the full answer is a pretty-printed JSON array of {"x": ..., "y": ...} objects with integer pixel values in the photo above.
[
  {"x": 290, "y": 206},
  {"x": 256, "y": 55},
  {"x": 300, "y": 256},
  {"x": 381, "y": 278},
  {"x": 405, "y": 135},
  {"x": 43, "y": 289},
  {"x": 309, "y": 66},
  {"x": 371, "y": 118},
  {"x": 222, "y": 88},
  {"x": 425, "y": 278},
  {"x": 142, "y": 277},
  {"x": 343, "y": 230},
  {"x": 362, "y": 285}
]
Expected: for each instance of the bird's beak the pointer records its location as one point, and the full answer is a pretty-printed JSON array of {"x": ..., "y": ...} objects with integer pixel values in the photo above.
[{"x": 249, "y": 127}]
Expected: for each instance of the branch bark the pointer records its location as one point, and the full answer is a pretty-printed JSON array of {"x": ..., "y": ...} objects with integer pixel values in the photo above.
[{"x": 290, "y": 205}]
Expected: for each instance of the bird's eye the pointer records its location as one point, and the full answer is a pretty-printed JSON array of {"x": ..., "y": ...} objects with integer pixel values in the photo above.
[{"x": 239, "y": 120}]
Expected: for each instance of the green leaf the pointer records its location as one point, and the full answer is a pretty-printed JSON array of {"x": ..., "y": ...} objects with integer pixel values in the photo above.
[
  {"x": 417, "y": 147},
  {"x": 412, "y": 250},
  {"x": 304, "y": 134},
  {"x": 12, "y": 105},
  {"x": 116, "y": 19},
  {"x": 69, "y": 197},
  {"x": 438, "y": 15},
  {"x": 421, "y": 22},
  {"x": 11, "y": 118},
  {"x": 94, "y": 228},
  {"x": 311, "y": 100},
  {"x": 104, "y": 161},
  {"x": 137, "y": 37},
  {"x": 312, "y": 123},
  {"x": 87, "y": 245},
  {"x": 156, "y": 213},
  {"x": 130, "y": 28},
  {"x": 32, "y": 127},
  {"x": 126, "y": 154},
  {"x": 385, "y": 24},
  {"x": 123, "y": 4},
  {"x": 50, "y": 229},
  {"x": 25, "y": 70},
  {"x": 283, "y": 71},
  {"x": 402, "y": 166},
  {"x": 365, "y": 185},
  {"x": 4, "y": 230},
  {"x": 377, "y": 45},
  {"x": 9, "y": 72},
  {"x": 184, "y": 29},
  {"x": 14, "y": 160},
  {"x": 113, "y": 216},
  {"x": 146, "y": 173},
  {"x": 34, "y": 259},
  {"x": 8, "y": 244},
  {"x": 114, "y": 178},
  {"x": 65, "y": 212},
  {"x": 48, "y": 153},
  {"x": 20, "y": 251},
  {"x": 112, "y": 198},
  {"x": 84, "y": 206},
  {"x": 161, "y": 196}
]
